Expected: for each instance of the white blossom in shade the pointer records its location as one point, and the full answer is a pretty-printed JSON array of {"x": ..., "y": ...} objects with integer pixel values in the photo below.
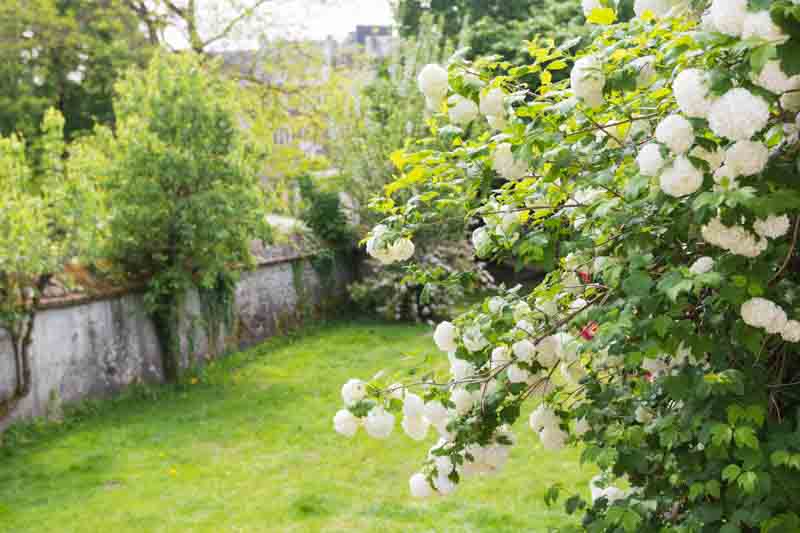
[
  {"x": 415, "y": 427},
  {"x": 553, "y": 438},
  {"x": 379, "y": 423},
  {"x": 419, "y": 486},
  {"x": 396, "y": 391},
  {"x": 791, "y": 101},
  {"x": 759, "y": 25},
  {"x": 543, "y": 417},
  {"x": 589, "y": 6},
  {"x": 354, "y": 391},
  {"x": 681, "y": 178},
  {"x": 764, "y": 314},
  {"x": 738, "y": 115},
  {"x": 547, "y": 307},
  {"x": 573, "y": 372},
  {"x": 646, "y": 68},
  {"x": 345, "y": 423},
  {"x": 481, "y": 240},
  {"x": 497, "y": 123},
  {"x": 613, "y": 494},
  {"x": 413, "y": 406},
  {"x": 702, "y": 265},
  {"x": 461, "y": 369},
  {"x": 462, "y": 110},
  {"x": 746, "y": 158},
  {"x": 650, "y": 160},
  {"x": 725, "y": 179},
  {"x": 656, "y": 366},
  {"x": 433, "y": 83},
  {"x": 517, "y": 374},
  {"x": 548, "y": 351},
  {"x": 659, "y": 8},
  {"x": 473, "y": 80},
  {"x": 444, "y": 485},
  {"x": 582, "y": 427},
  {"x": 473, "y": 339},
  {"x": 496, "y": 304},
  {"x": 578, "y": 304},
  {"x": 773, "y": 79},
  {"x": 791, "y": 331},
  {"x": 772, "y": 227},
  {"x": 500, "y": 356},
  {"x": 727, "y": 16},
  {"x": 445, "y": 337},
  {"x": 691, "y": 92},
  {"x": 588, "y": 80},
  {"x": 521, "y": 310},
  {"x": 676, "y": 132},
  {"x": 644, "y": 415},
  {"x": 401, "y": 250},
  {"x": 524, "y": 350},
  {"x": 735, "y": 239},
  {"x": 463, "y": 399},
  {"x": 492, "y": 102},
  {"x": 714, "y": 159},
  {"x": 525, "y": 327},
  {"x": 435, "y": 413},
  {"x": 506, "y": 165}
]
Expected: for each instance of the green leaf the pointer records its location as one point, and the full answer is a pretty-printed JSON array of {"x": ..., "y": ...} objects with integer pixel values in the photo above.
[
  {"x": 721, "y": 435},
  {"x": 747, "y": 481},
  {"x": 638, "y": 283},
  {"x": 731, "y": 472},
  {"x": 789, "y": 56},
  {"x": 779, "y": 458},
  {"x": 745, "y": 437}
]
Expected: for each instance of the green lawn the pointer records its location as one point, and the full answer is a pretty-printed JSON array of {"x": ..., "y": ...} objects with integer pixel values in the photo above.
[{"x": 250, "y": 447}]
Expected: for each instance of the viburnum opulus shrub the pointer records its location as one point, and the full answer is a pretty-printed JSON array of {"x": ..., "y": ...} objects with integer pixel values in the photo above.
[{"x": 664, "y": 173}]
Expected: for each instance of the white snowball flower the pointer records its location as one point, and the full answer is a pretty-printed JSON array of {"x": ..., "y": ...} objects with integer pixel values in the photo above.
[
  {"x": 646, "y": 67},
  {"x": 524, "y": 350},
  {"x": 543, "y": 417},
  {"x": 500, "y": 357},
  {"x": 462, "y": 110},
  {"x": 791, "y": 101},
  {"x": 738, "y": 115},
  {"x": 725, "y": 179},
  {"x": 644, "y": 415},
  {"x": 525, "y": 327},
  {"x": 463, "y": 399},
  {"x": 714, "y": 159},
  {"x": 650, "y": 160},
  {"x": 747, "y": 157},
  {"x": 444, "y": 485},
  {"x": 415, "y": 427},
  {"x": 433, "y": 83},
  {"x": 676, "y": 132},
  {"x": 345, "y": 423},
  {"x": 791, "y": 331},
  {"x": 691, "y": 92},
  {"x": 773, "y": 79},
  {"x": 474, "y": 340},
  {"x": 445, "y": 337},
  {"x": 553, "y": 438},
  {"x": 734, "y": 239},
  {"x": 481, "y": 240},
  {"x": 588, "y": 80},
  {"x": 506, "y": 165},
  {"x": 772, "y": 227},
  {"x": 659, "y": 8},
  {"x": 613, "y": 494},
  {"x": 401, "y": 250},
  {"x": 496, "y": 304},
  {"x": 759, "y": 25},
  {"x": 419, "y": 486},
  {"x": 379, "y": 423},
  {"x": 492, "y": 103},
  {"x": 547, "y": 307},
  {"x": 436, "y": 413},
  {"x": 497, "y": 123},
  {"x": 582, "y": 427},
  {"x": 517, "y": 374},
  {"x": 681, "y": 178},
  {"x": 354, "y": 391},
  {"x": 548, "y": 351},
  {"x": 521, "y": 310},
  {"x": 727, "y": 16},
  {"x": 461, "y": 369},
  {"x": 589, "y": 6},
  {"x": 764, "y": 314},
  {"x": 413, "y": 406},
  {"x": 702, "y": 265}
]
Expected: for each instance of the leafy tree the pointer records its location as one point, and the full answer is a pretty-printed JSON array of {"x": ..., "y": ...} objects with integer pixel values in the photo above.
[
  {"x": 64, "y": 54},
  {"x": 664, "y": 175}
]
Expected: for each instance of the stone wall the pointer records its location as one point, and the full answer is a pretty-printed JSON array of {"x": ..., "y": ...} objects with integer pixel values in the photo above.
[{"x": 90, "y": 348}]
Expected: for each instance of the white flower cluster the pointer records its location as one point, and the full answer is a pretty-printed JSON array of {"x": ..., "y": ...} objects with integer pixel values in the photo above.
[
  {"x": 681, "y": 178},
  {"x": 738, "y": 114},
  {"x": 547, "y": 425},
  {"x": 506, "y": 164},
  {"x": 702, "y": 265},
  {"x": 385, "y": 252},
  {"x": 676, "y": 133},
  {"x": 691, "y": 92},
  {"x": 735, "y": 239},
  {"x": 378, "y": 423},
  {"x": 732, "y": 17},
  {"x": 774, "y": 79},
  {"x": 492, "y": 106},
  {"x": 772, "y": 227},
  {"x": 462, "y": 110},
  {"x": 589, "y": 6},
  {"x": 610, "y": 493},
  {"x": 588, "y": 80},
  {"x": 433, "y": 83},
  {"x": 659, "y": 8},
  {"x": 767, "y": 315}
]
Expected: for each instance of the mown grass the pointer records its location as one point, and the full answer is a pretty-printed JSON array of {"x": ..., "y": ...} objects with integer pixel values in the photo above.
[{"x": 248, "y": 446}]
